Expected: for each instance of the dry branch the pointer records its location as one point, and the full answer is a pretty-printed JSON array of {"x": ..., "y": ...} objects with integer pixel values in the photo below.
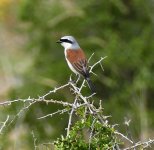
[
  {"x": 79, "y": 101},
  {"x": 4, "y": 124},
  {"x": 145, "y": 144}
]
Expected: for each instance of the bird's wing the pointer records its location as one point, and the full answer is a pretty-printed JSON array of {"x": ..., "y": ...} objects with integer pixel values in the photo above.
[
  {"x": 81, "y": 67},
  {"x": 78, "y": 60}
]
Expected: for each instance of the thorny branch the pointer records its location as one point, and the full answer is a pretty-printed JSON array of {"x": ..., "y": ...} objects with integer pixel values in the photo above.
[
  {"x": 30, "y": 100},
  {"x": 34, "y": 140},
  {"x": 54, "y": 113},
  {"x": 145, "y": 144},
  {"x": 54, "y": 91},
  {"x": 123, "y": 136},
  {"x": 79, "y": 102},
  {"x": 91, "y": 133},
  {"x": 98, "y": 62},
  {"x": 70, "y": 116}
]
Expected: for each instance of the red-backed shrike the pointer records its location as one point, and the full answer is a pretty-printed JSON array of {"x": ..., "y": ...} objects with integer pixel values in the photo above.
[{"x": 76, "y": 59}]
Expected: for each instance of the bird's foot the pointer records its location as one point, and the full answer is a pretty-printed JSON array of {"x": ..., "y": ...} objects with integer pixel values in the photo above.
[{"x": 74, "y": 81}]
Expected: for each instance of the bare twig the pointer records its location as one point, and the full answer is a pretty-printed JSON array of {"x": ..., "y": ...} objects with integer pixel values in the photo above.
[
  {"x": 41, "y": 98},
  {"x": 91, "y": 133},
  {"x": 101, "y": 66},
  {"x": 98, "y": 62},
  {"x": 70, "y": 115},
  {"x": 55, "y": 90},
  {"x": 31, "y": 100},
  {"x": 82, "y": 85},
  {"x": 4, "y": 124},
  {"x": 34, "y": 141},
  {"x": 141, "y": 144},
  {"x": 21, "y": 110},
  {"x": 62, "y": 110},
  {"x": 90, "y": 57},
  {"x": 123, "y": 136},
  {"x": 13, "y": 101},
  {"x": 54, "y": 113},
  {"x": 88, "y": 97}
]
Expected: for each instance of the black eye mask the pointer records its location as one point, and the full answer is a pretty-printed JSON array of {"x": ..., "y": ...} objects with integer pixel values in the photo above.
[{"x": 66, "y": 40}]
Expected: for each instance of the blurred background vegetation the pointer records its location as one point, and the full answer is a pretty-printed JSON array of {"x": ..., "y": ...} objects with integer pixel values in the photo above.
[{"x": 31, "y": 63}]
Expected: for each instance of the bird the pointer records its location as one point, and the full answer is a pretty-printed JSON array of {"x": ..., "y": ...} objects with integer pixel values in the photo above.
[{"x": 76, "y": 59}]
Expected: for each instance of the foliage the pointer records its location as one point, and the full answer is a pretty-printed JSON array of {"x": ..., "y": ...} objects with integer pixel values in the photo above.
[{"x": 100, "y": 136}]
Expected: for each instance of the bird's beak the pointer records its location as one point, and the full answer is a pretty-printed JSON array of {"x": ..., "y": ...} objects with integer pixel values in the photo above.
[{"x": 59, "y": 41}]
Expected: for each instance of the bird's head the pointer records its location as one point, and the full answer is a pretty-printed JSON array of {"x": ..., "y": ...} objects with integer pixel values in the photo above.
[{"x": 69, "y": 42}]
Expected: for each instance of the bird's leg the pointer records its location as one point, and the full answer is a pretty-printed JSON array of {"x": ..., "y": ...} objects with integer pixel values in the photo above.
[{"x": 74, "y": 81}]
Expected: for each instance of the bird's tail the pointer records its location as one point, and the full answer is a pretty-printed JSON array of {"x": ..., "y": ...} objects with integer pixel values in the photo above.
[{"x": 91, "y": 86}]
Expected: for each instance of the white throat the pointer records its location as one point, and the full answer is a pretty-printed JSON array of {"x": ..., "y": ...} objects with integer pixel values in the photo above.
[{"x": 70, "y": 46}]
